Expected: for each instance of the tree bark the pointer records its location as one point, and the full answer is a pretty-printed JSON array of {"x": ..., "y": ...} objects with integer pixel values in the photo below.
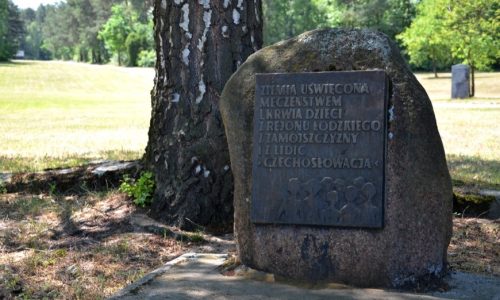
[
  {"x": 199, "y": 45},
  {"x": 434, "y": 69},
  {"x": 472, "y": 83}
]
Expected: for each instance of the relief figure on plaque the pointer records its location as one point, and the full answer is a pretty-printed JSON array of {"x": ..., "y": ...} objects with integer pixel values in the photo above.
[
  {"x": 370, "y": 212},
  {"x": 350, "y": 212},
  {"x": 330, "y": 214},
  {"x": 325, "y": 204},
  {"x": 306, "y": 207},
  {"x": 329, "y": 201},
  {"x": 290, "y": 203},
  {"x": 339, "y": 185}
]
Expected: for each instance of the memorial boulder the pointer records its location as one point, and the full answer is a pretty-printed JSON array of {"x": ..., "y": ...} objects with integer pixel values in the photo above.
[{"x": 340, "y": 173}]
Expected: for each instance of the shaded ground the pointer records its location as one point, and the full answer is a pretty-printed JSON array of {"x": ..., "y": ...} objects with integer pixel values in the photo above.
[
  {"x": 89, "y": 246},
  {"x": 197, "y": 276},
  {"x": 83, "y": 246},
  {"x": 475, "y": 246}
]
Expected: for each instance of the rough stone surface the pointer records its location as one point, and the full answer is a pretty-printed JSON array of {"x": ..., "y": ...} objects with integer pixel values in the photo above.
[
  {"x": 460, "y": 87},
  {"x": 418, "y": 220}
]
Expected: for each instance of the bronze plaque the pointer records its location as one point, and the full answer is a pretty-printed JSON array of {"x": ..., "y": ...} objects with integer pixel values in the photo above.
[{"x": 319, "y": 148}]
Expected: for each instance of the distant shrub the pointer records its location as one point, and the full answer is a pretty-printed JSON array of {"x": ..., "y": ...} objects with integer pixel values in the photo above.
[
  {"x": 134, "y": 43},
  {"x": 147, "y": 58}
]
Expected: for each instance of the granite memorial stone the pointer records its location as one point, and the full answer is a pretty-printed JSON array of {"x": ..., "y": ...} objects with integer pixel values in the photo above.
[
  {"x": 460, "y": 87},
  {"x": 340, "y": 173}
]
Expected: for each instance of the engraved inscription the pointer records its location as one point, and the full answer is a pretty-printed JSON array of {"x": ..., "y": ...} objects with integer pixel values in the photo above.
[{"x": 319, "y": 148}]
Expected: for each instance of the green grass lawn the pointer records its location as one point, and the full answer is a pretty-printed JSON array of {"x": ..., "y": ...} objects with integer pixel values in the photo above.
[{"x": 56, "y": 114}]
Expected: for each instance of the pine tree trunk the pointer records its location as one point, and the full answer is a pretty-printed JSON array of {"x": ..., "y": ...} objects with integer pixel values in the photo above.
[{"x": 199, "y": 45}]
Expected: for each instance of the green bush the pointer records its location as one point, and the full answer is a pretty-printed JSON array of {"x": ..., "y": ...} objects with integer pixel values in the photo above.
[
  {"x": 134, "y": 44},
  {"x": 141, "y": 190},
  {"x": 147, "y": 58}
]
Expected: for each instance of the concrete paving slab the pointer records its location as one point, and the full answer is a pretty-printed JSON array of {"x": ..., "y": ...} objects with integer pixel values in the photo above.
[{"x": 195, "y": 276}]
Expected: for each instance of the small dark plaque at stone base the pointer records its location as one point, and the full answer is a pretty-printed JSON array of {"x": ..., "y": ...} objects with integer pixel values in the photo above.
[{"x": 319, "y": 148}]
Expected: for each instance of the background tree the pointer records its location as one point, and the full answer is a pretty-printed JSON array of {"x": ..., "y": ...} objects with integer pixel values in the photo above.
[
  {"x": 199, "y": 44},
  {"x": 60, "y": 31},
  {"x": 11, "y": 30},
  {"x": 464, "y": 29},
  {"x": 116, "y": 30},
  {"x": 33, "y": 38},
  {"x": 70, "y": 29},
  {"x": 140, "y": 39},
  {"x": 289, "y": 18},
  {"x": 388, "y": 16},
  {"x": 474, "y": 31},
  {"x": 427, "y": 39}
]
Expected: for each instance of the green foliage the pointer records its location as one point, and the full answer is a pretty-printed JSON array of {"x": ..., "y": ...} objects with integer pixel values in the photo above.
[
  {"x": 196, "y": 237},
  {"x": 388, "y": 16},
  {"x": 116, "y": 30},
  {"x": 474, "y": 31},
  {"x": 464, "y": 29},
  {"x": 52, "y": 188},
  {"x": 141, "y": 190},
  {"x": 11, "y": 29},
  {"x": 124, "y": 34},
  {"x": 33, "y": 42},
  {"x": 133, "y": 43},
  {"x": 147, "y": 58},
  {"x": 427, "y": 39},
  {"x": 285, "y": 19},
  {"x": 70, "y": 29},
  {"x": 140, "y": 39}
]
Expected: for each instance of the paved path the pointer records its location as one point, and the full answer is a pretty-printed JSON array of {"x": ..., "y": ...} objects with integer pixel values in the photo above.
[{"x": 194, "y": 276}]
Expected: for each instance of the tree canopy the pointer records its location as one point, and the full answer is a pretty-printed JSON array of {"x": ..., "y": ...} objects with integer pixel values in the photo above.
[
  {"x": 11, "y": 29},
  {"x": 88, "y": 30},
  {"x": 464, "y": 30},
  {"x": 433, "y": 33},
  {"x": 287, "y": 18},
  {"x": 426, "y": 39}
]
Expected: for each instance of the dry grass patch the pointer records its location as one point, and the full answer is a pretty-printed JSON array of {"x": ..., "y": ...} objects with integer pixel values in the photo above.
[
  {"x": 469, "y": 129},
  {"x": 74, "y": 247},
  {"x": 440, "y": 88},
  {"x": 475, "y": 246}
]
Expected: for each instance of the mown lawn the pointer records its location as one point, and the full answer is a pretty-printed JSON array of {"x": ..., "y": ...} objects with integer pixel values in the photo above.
[
  {"x": 56, "y": 114},
  {"x": 470, "y": 128}
]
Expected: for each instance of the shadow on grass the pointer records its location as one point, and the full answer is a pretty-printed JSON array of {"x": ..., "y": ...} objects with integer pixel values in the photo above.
[
  {"x": 472, "y": 171},
  {"x": 431, "y": 77},
  {"x": 16, "y": 63},
  {"x": 20, "y": 164},
  {"x": 439, "y": 77}
]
